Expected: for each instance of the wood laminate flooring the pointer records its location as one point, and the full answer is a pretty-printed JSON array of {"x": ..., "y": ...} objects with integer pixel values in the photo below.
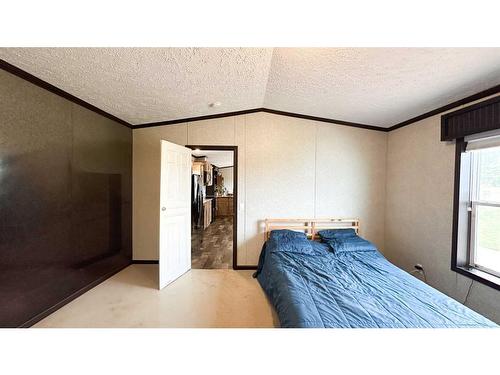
[{"x": 212, "y": 248}]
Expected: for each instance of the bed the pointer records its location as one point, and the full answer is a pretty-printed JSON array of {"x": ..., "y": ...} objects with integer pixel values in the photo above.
[{"x": 311, "y": 285}]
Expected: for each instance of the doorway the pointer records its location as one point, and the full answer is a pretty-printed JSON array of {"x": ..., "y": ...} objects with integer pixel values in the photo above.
[{"x": 214, "y": 192}]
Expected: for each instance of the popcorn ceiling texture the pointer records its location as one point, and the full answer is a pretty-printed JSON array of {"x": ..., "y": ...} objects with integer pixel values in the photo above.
[
  {"x": 376, "y": 86},
  {"x": 142, "y": 85}
]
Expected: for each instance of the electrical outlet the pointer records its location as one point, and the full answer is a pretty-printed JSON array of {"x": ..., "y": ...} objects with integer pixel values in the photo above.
[{"x": 420, "y": 270}]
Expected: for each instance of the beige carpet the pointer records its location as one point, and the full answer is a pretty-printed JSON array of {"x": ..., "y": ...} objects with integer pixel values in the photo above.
[{"x": 200, "y": 298}]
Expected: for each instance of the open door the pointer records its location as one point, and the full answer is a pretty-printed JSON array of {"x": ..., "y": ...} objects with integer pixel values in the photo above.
[{"x": 175, "y": 212}]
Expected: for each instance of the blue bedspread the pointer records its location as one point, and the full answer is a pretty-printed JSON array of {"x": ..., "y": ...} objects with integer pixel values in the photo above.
[{"x": 353, "y": 290}]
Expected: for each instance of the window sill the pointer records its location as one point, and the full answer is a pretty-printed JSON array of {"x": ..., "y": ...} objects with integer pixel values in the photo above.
[{"x": 479, "y": 276}]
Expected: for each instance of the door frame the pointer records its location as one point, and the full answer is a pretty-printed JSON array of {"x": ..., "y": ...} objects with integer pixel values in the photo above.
[{"x": 234, "y": 149}]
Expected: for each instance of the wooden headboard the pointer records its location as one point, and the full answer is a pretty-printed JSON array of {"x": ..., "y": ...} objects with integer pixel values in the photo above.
[{"x": 310, "y": 226}]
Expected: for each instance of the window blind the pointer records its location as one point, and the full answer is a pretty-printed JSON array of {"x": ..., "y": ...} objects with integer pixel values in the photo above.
[{"x": 483, "y": 140}]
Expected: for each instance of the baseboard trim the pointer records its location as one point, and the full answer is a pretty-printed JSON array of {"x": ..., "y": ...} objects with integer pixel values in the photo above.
[
  {"x": 144, "y": 261},
  {"x": 141, "y": 261},
  {"x": 238, "y": 268},
  {"x": 71, "y": 297}
]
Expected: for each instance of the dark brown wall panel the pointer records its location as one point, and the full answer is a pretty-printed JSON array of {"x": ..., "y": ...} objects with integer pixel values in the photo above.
[{"x": 65, "y": 199}]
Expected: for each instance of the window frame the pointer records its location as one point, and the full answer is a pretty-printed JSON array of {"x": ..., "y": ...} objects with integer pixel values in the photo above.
[
  {"x": 461, "y": 249},
  {"x": 473, "y": 235}
]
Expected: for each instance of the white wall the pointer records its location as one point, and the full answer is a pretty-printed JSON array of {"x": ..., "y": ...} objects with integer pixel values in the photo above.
[
  {"x": 293, "y": 167},
  {"x": 419, "y": 207},
  {"x": 287, "y": 167},
  {"x": 228, "y": 175},
  {"x": 351, "y": 177}
]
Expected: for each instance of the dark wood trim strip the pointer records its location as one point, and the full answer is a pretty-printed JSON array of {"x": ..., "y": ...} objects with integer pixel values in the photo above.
[
  {"x": 491, "y": 91},
  {"x": 480, "y": 95},
  {"x": 4, "y": 65},
  {"x": 49, "y": 87},
  {"x": 198, "y": 118},
  {"x": 255, "y": 110},
  {"x": 235, "y": 266},
  {"x": 141, "y": 261},
  {"x": 212, "y": 148},
  {"x": 323, "y": 119},
  {"x": 459, "y": 148},
  {"x": 472, "y": 107},
  {"x": 477, "y": 276},
  {"x": 245, "y": 268},
  {"x": 235, "y": 207},
  {"x": 71, "y": 297}
]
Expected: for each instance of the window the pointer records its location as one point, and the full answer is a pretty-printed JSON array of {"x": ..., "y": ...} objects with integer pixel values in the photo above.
[
  {"x": 476, "y": 226},
  {"x": 484, "y": 205},
  {"x": 476, "y": 200}
]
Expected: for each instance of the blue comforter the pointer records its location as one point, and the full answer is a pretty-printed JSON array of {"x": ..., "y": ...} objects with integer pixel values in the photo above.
[{"x": 352, "y": 290}]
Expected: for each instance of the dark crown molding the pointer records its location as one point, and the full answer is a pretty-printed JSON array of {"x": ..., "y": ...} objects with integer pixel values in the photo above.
[
  {"x": 198, "y": 118},
  {"x": 323, "y": 119},
  {"x": 47, "y": 86},
  {"x": 480, "y": 95},
  {"x": 266, "y": 110},
  {"x": 4, "y": 65}
]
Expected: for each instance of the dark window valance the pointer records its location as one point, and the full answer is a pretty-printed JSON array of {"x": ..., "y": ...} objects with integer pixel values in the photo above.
[{"x": 474, "y": 119}]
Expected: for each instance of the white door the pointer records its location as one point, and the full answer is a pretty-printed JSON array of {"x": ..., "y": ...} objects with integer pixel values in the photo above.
[{"x": 175, "y": 212}]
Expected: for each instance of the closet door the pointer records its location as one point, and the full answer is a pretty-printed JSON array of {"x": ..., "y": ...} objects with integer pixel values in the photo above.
[{"x": 175, "y": 212}]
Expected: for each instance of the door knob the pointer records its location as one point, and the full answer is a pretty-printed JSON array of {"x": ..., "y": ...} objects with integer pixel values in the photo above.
[{"x": 163, "y": 208}]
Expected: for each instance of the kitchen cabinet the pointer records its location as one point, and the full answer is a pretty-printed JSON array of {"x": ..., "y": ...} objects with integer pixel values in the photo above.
[
  {"x": 207, "y": 213},
  {"x": 208, "y": 174},
  {"x": 198, "y": 168},
  {"x": 224, "y": 206}
]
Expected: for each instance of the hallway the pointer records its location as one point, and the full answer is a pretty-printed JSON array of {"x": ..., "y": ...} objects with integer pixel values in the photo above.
[{"x": 212, "y": 248}]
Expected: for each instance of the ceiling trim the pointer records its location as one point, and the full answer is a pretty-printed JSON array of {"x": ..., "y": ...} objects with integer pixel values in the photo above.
[
  {"x": 197, "y": 118},
  {"x": 4, "y": 65},
  {"x": 471, "y": 98},
  {"x": 480, "y": 95},
  {"x": 255, "y": 110},
  {"x": 324, "y": 119}
]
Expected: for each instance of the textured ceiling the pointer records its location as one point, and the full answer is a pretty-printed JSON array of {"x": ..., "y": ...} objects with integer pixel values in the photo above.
[
  {"x": 142, "y": 85},
  {"x": 375, "y": 86}
]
